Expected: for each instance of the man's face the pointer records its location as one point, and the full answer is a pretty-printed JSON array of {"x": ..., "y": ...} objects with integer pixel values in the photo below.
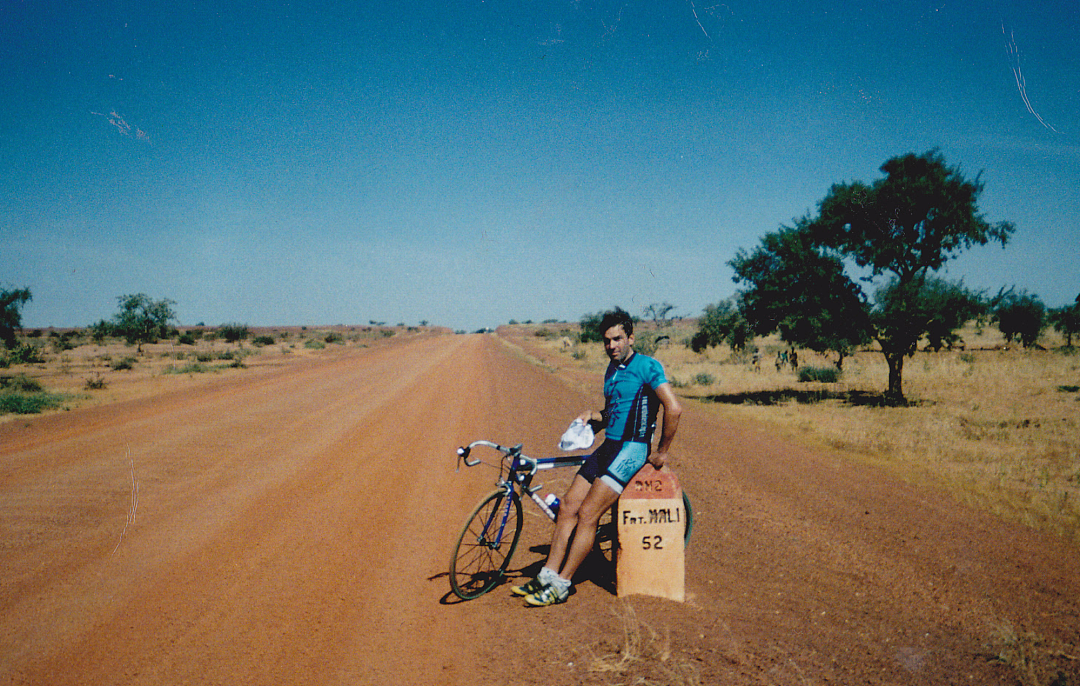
[{"x": 617, "y": 344}]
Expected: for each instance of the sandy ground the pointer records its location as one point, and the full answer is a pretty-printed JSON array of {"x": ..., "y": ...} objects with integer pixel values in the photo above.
[{"x": 294, "y": 527}]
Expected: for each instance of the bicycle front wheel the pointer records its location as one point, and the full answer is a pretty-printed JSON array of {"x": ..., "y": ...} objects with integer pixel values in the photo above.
[{"x": 486, "y": 544}]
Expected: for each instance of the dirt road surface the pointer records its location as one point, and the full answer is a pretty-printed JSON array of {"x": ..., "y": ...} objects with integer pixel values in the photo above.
[{"x": 293, "y": 526}]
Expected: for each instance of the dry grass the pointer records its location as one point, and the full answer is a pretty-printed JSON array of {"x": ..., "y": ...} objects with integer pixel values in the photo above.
[
  {"x": 999, "y": 429},
  {"x": 642, "y": 656},
  {"x": 1034, "y": 661}
]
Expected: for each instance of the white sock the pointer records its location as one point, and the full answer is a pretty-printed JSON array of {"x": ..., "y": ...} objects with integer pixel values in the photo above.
[{"x": 547, "y": 575}]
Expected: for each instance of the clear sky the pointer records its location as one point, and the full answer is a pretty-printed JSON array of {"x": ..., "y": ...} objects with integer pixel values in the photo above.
[{"x": 476, "y": 161}]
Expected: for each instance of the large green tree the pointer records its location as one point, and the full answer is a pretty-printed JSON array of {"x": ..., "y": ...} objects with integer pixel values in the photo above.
[
  {"x": 11, "y": 303},
  {"x": 893, "y": 234},
  {"x": 142, "y": 319}
]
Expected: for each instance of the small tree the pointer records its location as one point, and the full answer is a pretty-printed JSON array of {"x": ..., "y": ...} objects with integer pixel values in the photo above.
[
  {"x": 142, "y": 320},
  {"x": 1066, "y": 321},
  {"x": 949, "y": 306},
  {"x": 658, "y": 312},
  {"x": 722, "y": 323},
  {"x": 1020, "y": 317},
  {"x": 803, "y": 293},
  {"x": 11, "y": 303}
]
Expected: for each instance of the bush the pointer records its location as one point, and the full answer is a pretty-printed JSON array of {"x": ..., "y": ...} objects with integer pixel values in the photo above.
[
  {"x": 21, "y": 354},
  {"x": 96, "y": 383},
  {"x": 822, "y": 374},
  {"x": 23, "y": 395},
  {"x": 233, "y": 333},
  {"x": 262, "y": 340},
  {"x": 186, "y": 338},
  {"x": 704, "y": 379},
  {"x": 124, "y": 363},
  {"x": 646, "y": 343},
  {"x": 20, "y": 384}
]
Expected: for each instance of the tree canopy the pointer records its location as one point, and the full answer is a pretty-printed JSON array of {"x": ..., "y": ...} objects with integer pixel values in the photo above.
[
  {"x": 893, "y": 233},
  {"x": 142, "y": 319},
  {"x": 1021, "y": 317},
  {"x": 722, "y": 323},
  {"x": 1066, "y": 320},
  {"x": 11, "y": 303}
]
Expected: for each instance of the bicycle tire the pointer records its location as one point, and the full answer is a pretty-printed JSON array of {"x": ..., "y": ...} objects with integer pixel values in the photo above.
[
  {"x": 689, "y": 511},
  {"x": 476, "y": 565}
]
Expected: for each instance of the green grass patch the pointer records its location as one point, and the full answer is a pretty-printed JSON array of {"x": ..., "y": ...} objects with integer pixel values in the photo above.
[
  {"x": 23, "y": 395},
  {"x": 202, "y": 367},
  {"x": 822, "y": 374}
]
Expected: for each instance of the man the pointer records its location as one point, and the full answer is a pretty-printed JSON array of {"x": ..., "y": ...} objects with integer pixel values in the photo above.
[{"x": 634, "y": 389}]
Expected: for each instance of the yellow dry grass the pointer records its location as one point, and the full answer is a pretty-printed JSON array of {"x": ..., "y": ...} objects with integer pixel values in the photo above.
[{"x": 996, "y": 428}]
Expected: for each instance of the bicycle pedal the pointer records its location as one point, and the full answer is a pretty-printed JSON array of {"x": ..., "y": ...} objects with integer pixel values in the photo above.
[{"x": 534, "y": 489}]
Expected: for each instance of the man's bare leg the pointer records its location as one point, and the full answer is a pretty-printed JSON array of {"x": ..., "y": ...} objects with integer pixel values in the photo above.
[
  {"x": 566, "y": 522},
  {"x": 598, "y": 500}
]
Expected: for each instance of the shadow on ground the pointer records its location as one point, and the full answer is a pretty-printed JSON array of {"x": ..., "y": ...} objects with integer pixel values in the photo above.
[{"x": 802, "y": 396}]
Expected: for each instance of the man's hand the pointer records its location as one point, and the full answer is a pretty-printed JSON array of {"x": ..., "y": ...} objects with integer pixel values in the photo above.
[
  {"x": 658, "y": 459},
  {"x": 592, "y": 417}
]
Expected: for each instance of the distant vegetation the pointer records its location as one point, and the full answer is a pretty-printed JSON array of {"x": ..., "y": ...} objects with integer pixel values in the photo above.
[{"x": 141, "y": 322}]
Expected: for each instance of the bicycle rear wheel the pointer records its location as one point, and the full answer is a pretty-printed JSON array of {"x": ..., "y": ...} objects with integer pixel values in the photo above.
[
  {"x": 689, "y": 519},
  {"x": 485, "y": 546}
]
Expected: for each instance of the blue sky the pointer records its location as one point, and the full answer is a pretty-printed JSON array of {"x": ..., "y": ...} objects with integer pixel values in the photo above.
[{"x": 473, "y": 162}]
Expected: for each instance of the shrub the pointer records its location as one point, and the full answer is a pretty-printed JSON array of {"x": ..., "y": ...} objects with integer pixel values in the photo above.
[
  {"x": 21, "y": 354},
  {"x": 20, "y": 384},
  {"x": 95, "y": 383},
  {"x": 186, "y": 338},
  {"x": 262, "y": 340},
  {"x": 704, "y": 379},
  {"x": 23, "y": 395},
  {"x": 190, "y": 368},
  {"x": 314, "y": 344},
  {"x": 233, "y": 332},
  {"x": 123, "y": 363},
  {"x": 646, "y": 343},
  {"x": 20, "y": 403},
  {"x": 822, "y": 374}
]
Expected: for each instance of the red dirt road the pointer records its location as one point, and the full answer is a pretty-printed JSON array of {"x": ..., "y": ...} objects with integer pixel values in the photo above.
[{"x": 293, "y": 526}]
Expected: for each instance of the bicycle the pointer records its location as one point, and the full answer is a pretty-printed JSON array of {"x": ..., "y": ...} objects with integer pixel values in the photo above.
[{"x": 490, "y": 535}]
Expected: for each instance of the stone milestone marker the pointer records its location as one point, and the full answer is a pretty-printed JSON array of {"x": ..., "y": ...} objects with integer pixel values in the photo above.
[{"x": 652, "y": 520}]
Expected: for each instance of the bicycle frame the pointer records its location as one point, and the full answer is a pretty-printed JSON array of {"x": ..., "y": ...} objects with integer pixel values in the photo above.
[{"x": 521, "y": 471}]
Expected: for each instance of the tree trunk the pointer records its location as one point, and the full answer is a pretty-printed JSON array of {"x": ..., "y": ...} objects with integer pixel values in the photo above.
[{"x": 895, "y": 394}]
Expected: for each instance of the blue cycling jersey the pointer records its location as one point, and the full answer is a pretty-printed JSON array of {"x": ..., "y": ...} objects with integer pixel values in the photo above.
[{"x": 631, "y": 404}]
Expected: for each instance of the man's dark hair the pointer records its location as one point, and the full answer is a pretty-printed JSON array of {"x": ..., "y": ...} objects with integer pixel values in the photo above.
[{"x": 617, "y": 317}]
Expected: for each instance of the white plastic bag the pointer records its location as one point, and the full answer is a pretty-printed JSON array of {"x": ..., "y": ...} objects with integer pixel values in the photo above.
[{"x": 578, "y": 437}]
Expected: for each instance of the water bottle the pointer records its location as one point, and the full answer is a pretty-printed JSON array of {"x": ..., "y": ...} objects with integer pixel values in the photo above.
[{"x": 552, "y": 501}]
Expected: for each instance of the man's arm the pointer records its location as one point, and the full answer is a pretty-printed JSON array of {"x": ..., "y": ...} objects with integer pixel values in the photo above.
[
  {"x": 672, "y": 412},
  {"x": 594, "y": 418}
]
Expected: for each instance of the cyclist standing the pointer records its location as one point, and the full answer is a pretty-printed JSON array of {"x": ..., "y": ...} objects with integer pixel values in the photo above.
[{"x": 635, "y": 388}]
